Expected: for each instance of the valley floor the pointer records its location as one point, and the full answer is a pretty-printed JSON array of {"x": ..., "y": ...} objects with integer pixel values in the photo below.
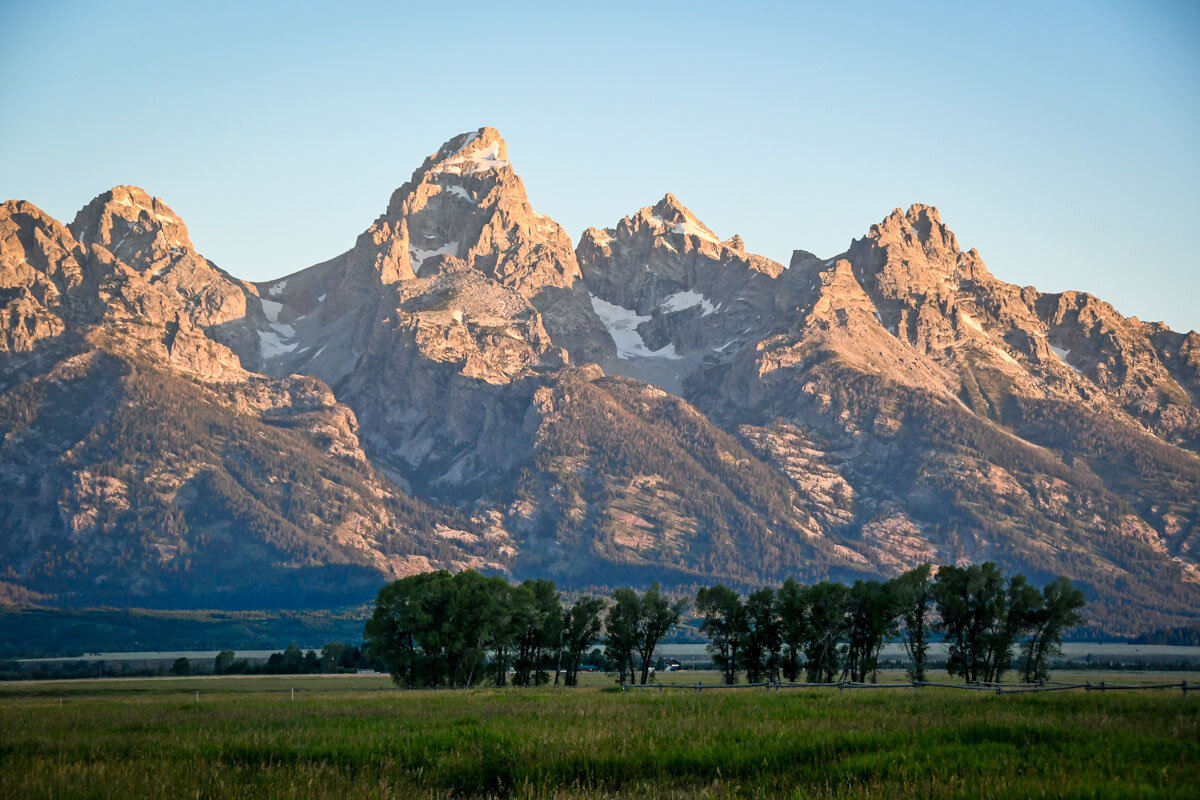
[{"x": 356, "y": 736}]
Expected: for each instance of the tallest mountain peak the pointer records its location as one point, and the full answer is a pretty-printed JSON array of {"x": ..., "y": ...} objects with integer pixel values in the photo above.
[{"x": 469, "y": 153}]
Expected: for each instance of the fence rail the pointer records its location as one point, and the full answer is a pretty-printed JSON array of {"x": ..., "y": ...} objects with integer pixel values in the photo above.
[{"x": 994, "y": 688}]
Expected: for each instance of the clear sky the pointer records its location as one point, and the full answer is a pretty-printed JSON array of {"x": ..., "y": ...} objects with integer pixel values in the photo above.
[{"x": 1062, "y": 139}]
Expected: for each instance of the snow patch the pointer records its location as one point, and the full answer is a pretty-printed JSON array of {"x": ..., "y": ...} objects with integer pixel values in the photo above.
[
  {"x": 418, "y": 255},
  {"x": 277, "y": 289},
  {"x": 271, "y": 344},
  {"x": 1062, "y": 354},
  {"x": 270, "y": 309},
  {"x": 691, "y": 228},
  {"x": 472, "y": 136},
  {"x": 687, "y": 299},
  {"x": 321, "y": 299},
  {"x": 459, "y": 191},
  {"x": 621, "y": 324},
  {"x": 480, "y": 161}
]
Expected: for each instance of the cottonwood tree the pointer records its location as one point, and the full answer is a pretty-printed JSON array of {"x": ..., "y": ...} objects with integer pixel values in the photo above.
[
  {"x": 403, "y": 613},
  {"x": 581, "y": 627},
  {"x": 824, "y": 630},
  {"x": 913, "y": 592},
  {"x": 983, "y": 616},
  {"x": 792, "y": 605},
  {"x": 223, "y": 662},
  {"x": 969, "y": 599},
  {"x": 724, "y": 623},
  {"x": 656, "y": 616},
  {"x": 1015, "y": 613},
  {"x": 763, "y": 636},
  {"x": 621, "y": 626},
  {"x": 541, "y": 635},
  {"x": 1058, "y": 611},
  {"x": 871, "y": 612}
]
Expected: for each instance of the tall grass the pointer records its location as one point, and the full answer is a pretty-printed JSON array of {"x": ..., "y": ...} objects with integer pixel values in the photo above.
[{"x": 353, "y": 739}]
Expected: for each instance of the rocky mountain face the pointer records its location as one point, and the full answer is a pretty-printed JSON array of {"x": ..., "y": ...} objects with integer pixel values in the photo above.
[
  {"x": 462, "y": 387},
  {"x": 140, "y": 462}
]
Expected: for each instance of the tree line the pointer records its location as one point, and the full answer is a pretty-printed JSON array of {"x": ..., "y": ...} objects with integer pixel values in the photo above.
[
  {"x": 443, "y": 629},
  {"x": 439, "y": 629},
  {"x": 830, "y": 631}
]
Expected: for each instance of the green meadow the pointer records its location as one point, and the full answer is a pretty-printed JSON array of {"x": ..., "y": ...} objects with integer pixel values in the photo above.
[{"x": 357, "y": 737}]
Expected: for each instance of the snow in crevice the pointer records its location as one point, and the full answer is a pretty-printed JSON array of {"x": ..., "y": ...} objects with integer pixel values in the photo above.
[
  {"x": 276, "y": 289},
  {"x": 277, "y": 340},
  {"x": 460, "y": 192},
  {"x": 691, "y": 228},
  {"x": 1062, "y": 354},
  {"x": 270, "y": 309},
  {"x": 472, "y": 136},
  {"x": 271, "y": 343},
  {"x": 321, "y": 299},
  {"x": 621, "y": 324},
  {"x": 687, "y": 299},
  {"x": 418, "y": 255},
  {"x": 481, "y": 161}
]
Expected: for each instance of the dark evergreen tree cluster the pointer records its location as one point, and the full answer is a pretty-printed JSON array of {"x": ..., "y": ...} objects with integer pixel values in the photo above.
[{"x": 830, "y": 631}]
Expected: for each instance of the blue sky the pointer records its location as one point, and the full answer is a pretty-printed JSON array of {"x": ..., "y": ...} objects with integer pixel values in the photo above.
[{"x": 1061, "y": 139}]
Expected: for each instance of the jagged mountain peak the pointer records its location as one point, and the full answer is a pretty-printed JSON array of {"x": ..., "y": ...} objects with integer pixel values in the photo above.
[
  {"x": 127, "y": 220},
  {"x": 467, "y": 201},
  {"x": 672, "y": 226},
  {"x": 920, "y": 225},
  {"x": 890, "y": 405},
  {"x": 476, "y": 150}
]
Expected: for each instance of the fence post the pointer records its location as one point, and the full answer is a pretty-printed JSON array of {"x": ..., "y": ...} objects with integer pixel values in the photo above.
[{"x": 293, "y": 694}]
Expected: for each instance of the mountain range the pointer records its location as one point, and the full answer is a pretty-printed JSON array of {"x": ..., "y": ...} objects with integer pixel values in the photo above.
[{"x": 465, "y": 387}]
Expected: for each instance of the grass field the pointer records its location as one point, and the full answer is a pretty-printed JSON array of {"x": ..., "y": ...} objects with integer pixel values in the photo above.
[{"x": 356, "y": 737}]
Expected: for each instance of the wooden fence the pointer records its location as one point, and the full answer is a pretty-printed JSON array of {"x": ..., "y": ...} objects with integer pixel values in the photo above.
[{"x": 994, "y": 688}]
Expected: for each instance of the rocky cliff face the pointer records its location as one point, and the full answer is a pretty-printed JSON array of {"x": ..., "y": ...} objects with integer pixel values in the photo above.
[
  {"x": 671, "y": 293},
  {"x": 462, "y": 387},
  {"x": 141, "y": 463},
  {"x": 442, "y": 320}
]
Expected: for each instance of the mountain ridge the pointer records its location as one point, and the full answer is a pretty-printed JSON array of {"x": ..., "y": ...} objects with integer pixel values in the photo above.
[{"x": 653, "y": 402}]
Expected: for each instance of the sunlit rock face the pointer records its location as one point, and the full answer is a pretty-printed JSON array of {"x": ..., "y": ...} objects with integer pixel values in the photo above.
[{"x": 463, "y": 387}]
